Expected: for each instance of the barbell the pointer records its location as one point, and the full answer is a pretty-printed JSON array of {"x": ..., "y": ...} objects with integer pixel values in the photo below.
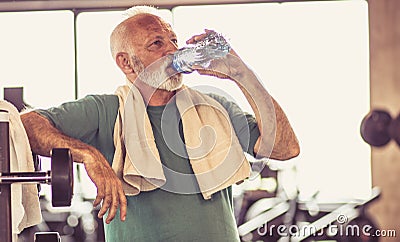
[{"x": 60, "y": 177}]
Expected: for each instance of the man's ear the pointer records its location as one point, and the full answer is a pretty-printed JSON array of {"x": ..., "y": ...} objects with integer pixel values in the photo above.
[{"x": 124, "y": 63}]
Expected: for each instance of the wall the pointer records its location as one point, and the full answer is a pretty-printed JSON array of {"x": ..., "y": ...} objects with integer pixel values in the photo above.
[{"x": 385, "y": 93}]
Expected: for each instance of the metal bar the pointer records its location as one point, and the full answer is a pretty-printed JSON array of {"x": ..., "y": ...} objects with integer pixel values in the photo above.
[
  {"x": 5, "y": 190},
  {"x": 75, "y": 55},
  {"x": 10, "y": 180},
  {"x": 33, "y": 174},
  {"x": 87, "y": 5},
  {"x": 26, "y": 177},
  {"x": 25, "y": 174}
]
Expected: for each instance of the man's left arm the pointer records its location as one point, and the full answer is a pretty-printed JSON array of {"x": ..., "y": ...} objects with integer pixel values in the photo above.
[
  {"x": 277, "y": 139},
  {"x": 269, "y": 114}
]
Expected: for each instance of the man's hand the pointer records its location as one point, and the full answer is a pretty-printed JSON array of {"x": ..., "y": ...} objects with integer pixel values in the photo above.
[
  {"x": 224, "y": 68},
  {"x": 109, "y": 187}
]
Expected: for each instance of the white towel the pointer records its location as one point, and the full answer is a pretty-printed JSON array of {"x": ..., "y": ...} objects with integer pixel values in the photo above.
[
  {"x": 25, "y": 207},
  {"x": 214, "y": 150}
]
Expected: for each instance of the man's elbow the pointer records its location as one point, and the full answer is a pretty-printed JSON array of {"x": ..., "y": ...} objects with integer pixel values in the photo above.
[
  {"x": 293, "y": 151},
  {"x": 280, "y": 151},
  {"x": 287, "y": 154},
  {"x": 287, "y": 150}
]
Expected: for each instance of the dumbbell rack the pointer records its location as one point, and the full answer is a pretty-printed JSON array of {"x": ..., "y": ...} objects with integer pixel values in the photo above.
[
  {"x": 60, "y": 177},
  {"x": 5, "y": 189}
]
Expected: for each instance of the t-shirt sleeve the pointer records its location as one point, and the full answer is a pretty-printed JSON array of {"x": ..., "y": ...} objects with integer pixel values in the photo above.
[
  {"x": 79, "y": 119},
  {"x": 244, "y": 124}
]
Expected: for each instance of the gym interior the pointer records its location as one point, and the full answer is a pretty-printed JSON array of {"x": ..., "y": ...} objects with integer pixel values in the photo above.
[{"x": 331, "y": 65}]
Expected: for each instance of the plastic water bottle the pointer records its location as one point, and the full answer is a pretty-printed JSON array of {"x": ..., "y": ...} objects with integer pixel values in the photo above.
[{"x": 213, "y": 46}]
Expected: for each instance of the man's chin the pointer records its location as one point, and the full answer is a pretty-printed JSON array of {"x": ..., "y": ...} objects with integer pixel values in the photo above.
[{"x": 172, "y": 84}]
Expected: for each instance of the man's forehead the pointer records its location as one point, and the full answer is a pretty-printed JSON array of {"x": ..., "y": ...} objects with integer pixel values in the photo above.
[{"x": 149, "y": 22}]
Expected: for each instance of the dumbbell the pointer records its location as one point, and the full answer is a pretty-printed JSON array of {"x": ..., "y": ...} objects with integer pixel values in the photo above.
[
  {"x": 60, "y": 177},
  {"x": 378, "y": 128}
]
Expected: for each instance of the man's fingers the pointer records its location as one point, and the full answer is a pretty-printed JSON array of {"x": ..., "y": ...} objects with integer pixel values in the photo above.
[
  {"x": 100, "y": 196},
  {"x": 98, "y": 200},
  {"x": 114, "y": 205},
  {"x": 106, "y": 202},
  {"x": 198, "y": 37},
  {"x": 123, "y": 204},
  {"x": 195, "y": 39},
  {"x": 104, "y": 207}
]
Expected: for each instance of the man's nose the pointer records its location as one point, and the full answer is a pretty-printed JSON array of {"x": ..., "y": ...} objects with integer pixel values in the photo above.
[{"x": 171, "y": 48}]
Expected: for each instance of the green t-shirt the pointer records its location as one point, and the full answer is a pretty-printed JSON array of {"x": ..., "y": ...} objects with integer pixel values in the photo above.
[{"x": 159, "y": 215}]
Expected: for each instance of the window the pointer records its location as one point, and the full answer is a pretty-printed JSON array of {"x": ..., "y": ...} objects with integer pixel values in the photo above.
[
  {"x": 37, "y": 52},
  {"x": 313, "y": 58}
]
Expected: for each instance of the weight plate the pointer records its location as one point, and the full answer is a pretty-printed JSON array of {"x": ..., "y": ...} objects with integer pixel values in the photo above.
[
  {"x": 375, "y": 128},
  {"x": 62, "y": 182}
]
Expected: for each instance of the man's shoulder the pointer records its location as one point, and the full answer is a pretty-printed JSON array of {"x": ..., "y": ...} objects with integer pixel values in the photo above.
[
  {"x": 219, "y": 98},
  {"x": 99, "y": 104},
  {"x": 108, "y": 101},
  {"x": 102, "y": 98},
  {"x": 224, "y": 101}
]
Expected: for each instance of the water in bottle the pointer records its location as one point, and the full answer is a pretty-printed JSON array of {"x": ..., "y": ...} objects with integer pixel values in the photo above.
[{"x": 213, "y": 46}]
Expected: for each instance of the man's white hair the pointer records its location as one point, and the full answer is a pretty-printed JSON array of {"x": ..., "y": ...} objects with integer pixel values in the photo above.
[{"x": 135, "y": 10}]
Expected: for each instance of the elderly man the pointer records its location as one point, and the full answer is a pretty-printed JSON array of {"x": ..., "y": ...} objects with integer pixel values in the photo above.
[{"x": 140, "y": 150}]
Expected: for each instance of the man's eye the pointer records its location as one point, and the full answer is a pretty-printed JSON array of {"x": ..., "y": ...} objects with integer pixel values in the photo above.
[
  {"x": 157, "y": 42},
  {"x": 175, "y": 41}
]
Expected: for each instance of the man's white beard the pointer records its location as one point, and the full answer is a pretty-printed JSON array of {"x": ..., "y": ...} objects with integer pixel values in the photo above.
[
  {"x": 171, "y": 84},
  {"x": 157, "y": 77}
]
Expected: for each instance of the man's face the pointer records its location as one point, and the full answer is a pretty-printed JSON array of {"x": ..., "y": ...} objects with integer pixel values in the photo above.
[{"x": 151, "y": 40}]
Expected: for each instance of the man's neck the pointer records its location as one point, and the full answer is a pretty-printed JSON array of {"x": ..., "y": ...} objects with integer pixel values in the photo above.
[
  {"x": 160, "y": 97},
  {"x": 153, "y": 96}
]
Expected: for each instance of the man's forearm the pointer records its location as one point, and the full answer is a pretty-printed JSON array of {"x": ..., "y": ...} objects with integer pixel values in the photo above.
[
  {"x": 277, "y": 139},
  {"x": 43, "y": 137}
]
